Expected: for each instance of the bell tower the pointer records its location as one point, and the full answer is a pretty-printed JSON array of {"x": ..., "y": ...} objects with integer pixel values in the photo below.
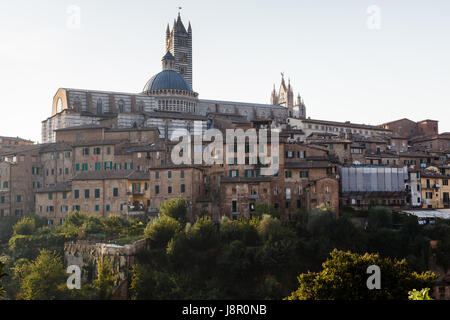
[{"x": 179, "y": 44}]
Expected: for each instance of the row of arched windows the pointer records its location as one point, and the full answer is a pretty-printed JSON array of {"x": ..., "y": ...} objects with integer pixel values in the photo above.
[
  {"x": 176, "y": 105},
  {"x": 120, "y": 105}
]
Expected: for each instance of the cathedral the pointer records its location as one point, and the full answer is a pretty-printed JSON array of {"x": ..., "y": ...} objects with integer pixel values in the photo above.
[
  {"x": 167, "y": 101},
  {"x": 285, "y": 98}
]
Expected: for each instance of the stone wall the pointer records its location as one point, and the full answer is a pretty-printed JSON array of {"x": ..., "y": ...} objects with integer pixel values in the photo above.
[{"x": 85, "y": 255}]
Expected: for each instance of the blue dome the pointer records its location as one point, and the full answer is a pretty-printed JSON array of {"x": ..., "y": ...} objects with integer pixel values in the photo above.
[{"x": 167, "y": 79}]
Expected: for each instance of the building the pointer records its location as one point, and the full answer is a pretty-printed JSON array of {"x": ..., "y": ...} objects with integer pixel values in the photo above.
[
  {"x": 167, "y": 102},
  {"x": 101, "y": 193},
  {"x": 10, "y": 143},
  {"x": 343, "y": 129},
  {"x": 435, "y": 188},
  {"x": 20, "y": 177},
  {"x": 408, "y": 129},
  {"x": 364, "y": 187}
]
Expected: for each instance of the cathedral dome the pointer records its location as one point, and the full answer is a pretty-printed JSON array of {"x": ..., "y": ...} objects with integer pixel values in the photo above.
[{"x": 167, "y": 80}]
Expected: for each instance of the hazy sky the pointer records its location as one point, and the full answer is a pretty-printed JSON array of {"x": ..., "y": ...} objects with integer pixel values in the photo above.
[{"x": 343, "y": 67}]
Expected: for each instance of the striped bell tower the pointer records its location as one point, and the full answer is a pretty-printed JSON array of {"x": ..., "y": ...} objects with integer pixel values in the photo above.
[{"x": 179, "y": 43}]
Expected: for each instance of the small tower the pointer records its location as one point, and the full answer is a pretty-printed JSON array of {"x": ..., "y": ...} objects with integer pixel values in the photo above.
[
  {"x": 274, "y": 97},
  {"x": 179, "y": 43},
  {"x": 168, "y": 61}
]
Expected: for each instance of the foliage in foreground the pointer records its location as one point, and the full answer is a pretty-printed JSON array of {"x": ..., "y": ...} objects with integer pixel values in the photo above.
[
  {"x": 419, "y": 295},
  {"x": 344, "y": 277}
]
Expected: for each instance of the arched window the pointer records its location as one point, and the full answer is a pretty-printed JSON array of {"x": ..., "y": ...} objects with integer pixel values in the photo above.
[
  {"x": 77, "y": 103},
  {"x": 141, "y": 106},
  {"x": 121, "y": 105},
  {"x": 59, "y": 105},
  {"x": 99, "y": 106}
]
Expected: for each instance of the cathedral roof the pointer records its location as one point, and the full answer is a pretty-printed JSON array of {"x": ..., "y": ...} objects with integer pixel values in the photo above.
[{"x": 166, "y": 80}]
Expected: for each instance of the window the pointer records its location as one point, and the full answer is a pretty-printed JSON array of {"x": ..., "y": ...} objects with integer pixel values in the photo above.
[
  {"x": 121, "y": 105},
  {"x": 183, "y": 188},
  {"x": 99, "y": 106},
  {"x": 77, "y": 167},
  {"x": 169, "y": 189},
  {"x": 76, "y": 194},
  {"x": 19, "y": 198},
  {"x": 108, "y": 207},
  {"x": 288, "y": 174},
  {"x": 157, "y": 175},
  {"x": 156, "y": 189},
  {"x": 97, "y": 151},
  {"x": 115, "y": 192},
  {"x": 64, "y": 195},
  {"x": 234, "y": 206},
  {"x": 108, "y": 150},
  {"x": 86, "y": 194},
  {"x": 304, "y": 174},
  {"x": 169, "y": 174},
  {"x": 288, "y": 193},
  {"x": 182, "y": 174},
  {"x": 50, "y": 196},
  {"x": 445, "y": 182},
  {"x": 85, "y": 151},
  {"x": 97, "y": 207},
  {"x": 97, "y": 193}
]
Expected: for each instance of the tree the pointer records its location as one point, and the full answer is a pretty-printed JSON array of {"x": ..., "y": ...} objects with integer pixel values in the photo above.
[
  {"x": 2, "y": 274},
  {"x": 41, "y": 277},
  {"x": 162, "y": 230},
  {"x": 262, "y": 208},
  {"x": 147, "y": 284},
  {"x": 113, "y": 224},
  {"x": 419, "y": 295},
  {"x": 92, "y": 225},
  {"x": 203, "y": 234},
  {"x": 242, "y": 230},
  {"x": 106, "y": 278},
  {"x": 26, "y": 226},
  {"x": 175, "y": 208},
  {"x": 6, "y": 228},
  {"x": 271, "y": 229},
  {"x": 344, "y": 277},
  {"x": 379, "y": 217}
]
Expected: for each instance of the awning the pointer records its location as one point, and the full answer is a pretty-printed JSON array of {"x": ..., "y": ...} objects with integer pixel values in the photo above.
[{"x": 437, "y": 213}]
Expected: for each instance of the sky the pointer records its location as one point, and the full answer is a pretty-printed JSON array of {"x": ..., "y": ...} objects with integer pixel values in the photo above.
[{"x": 362, "y": 61}]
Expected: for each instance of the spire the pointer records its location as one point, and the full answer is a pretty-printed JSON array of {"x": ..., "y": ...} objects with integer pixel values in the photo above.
[
  {"x": 189, "y": 28},
  {"x": 168, "y": 30}
]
